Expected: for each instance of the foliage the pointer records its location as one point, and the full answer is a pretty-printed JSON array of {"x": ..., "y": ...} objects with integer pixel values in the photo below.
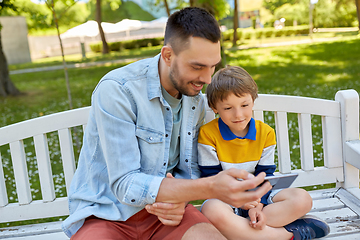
[
  {"x": 272, "y": 5},
  {"x": 327, "y": 13},
  {"x": 219, "y": 8},
  {"x": 127, "y": 10},
  {"x": 7, "y": 4},
  {"x": 71, "y": 13},
  {"x": 38, "y": 16},
  {"x": 261, "y": 33},
  {"x": 331, "y": 14}
]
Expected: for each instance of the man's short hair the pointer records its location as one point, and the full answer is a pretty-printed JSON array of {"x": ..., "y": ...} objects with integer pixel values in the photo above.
[
  {"x": 232, "y": 79},
  {"x": 190, "y": 22}
]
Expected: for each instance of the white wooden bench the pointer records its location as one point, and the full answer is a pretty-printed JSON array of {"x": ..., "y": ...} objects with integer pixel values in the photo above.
[{"x": 339, "y": 206}]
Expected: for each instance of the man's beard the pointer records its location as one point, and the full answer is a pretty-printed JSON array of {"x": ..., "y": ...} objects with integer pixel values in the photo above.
[{"x": 176, "y": 81}]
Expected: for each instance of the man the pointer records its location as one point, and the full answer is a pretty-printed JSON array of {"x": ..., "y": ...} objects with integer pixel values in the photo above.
[{"x": 138, "y": 166}]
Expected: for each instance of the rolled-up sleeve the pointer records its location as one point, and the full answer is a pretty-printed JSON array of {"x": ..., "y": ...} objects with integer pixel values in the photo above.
[{"x": 116, "y": 122}]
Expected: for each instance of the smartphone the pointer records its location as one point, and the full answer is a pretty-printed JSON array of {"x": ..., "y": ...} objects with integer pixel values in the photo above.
[{"x": 279, "y": 181}]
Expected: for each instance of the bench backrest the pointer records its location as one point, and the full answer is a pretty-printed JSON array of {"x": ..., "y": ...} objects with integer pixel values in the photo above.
[{"x": 334, "y": 118}]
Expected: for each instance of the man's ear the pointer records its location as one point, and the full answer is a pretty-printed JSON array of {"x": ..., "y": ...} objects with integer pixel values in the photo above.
[{"x": 166, "y": 54}]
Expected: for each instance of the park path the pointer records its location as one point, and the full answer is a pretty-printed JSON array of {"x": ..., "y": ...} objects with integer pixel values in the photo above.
[{"x": 106, "y": 62}]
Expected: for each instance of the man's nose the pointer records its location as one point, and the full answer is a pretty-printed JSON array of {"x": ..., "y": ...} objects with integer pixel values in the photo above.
[{"x": 206, "y": 75}]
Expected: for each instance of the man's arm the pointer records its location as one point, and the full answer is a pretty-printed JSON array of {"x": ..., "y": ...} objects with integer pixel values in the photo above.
[
  {"x": 174, "y": 193},
  {"x": 223, "y": 186}
]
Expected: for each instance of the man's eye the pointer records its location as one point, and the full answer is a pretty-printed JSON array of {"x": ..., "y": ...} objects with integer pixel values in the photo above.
[
  {"x": 228, "y": 108},
  {"x": 196, "y": 68}
]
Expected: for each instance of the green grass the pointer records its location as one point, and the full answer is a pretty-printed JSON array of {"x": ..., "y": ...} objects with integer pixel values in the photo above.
[{"x": 314, "y": 70}]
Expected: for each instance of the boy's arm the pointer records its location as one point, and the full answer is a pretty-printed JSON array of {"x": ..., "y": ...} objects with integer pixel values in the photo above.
[
  {"x": 267, "y": 165},
  {"x": 208, "y": 161}
]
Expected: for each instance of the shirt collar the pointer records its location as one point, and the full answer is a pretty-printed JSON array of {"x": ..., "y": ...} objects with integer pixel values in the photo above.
[
  {"x": 153, "y": 83},
  {"x": 228, "y": 135}
]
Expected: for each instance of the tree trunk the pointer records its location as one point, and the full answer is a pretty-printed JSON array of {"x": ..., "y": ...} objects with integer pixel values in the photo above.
[
  {"x": 167, "y": 8},
  {"x": 192, "y": 3},
  {"x": 357, "y": 2},
  {"x": 6, "y": 85},
  {"x": 236, "y": 21},
  {"x": 105, "y": 48}
]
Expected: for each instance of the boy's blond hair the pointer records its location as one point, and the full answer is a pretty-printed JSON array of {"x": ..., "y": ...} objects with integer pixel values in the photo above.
[{"x": 232, "y": 79}]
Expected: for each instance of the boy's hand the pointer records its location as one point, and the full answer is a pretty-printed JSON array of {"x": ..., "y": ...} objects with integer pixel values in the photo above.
[
  {"x": 169, "y": 214},
  {"x": 257, "y": 217},
  {"x": 250, "y": 205}
]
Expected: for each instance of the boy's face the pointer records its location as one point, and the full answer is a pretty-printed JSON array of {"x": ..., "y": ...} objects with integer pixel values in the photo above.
[{"x": 236, "y": 112}]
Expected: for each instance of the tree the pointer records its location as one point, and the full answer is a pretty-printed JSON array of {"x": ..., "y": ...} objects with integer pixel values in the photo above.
[
  {"x": 56, "y": 16},
  {"x": 6, "y": 85},
  {"x": 357, "y": 2},
  {"x": 105, "y": 48},
  {"x": 167, "y": 7},
  {"x": 236, "y": 21}
]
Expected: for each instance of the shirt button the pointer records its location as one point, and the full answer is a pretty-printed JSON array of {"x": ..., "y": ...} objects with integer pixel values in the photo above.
[
  {"x": 164, "y": 164},
  {"x": 189, "y": 133},
  {"x": 193, "y": 108},
  {"x": 186, "y": 160},
  {"x": 132, "y": 200},
  {"x": 150, "y": 138},
  {"x": 167, "y": 109},
  {"x": 166, "y": 135}
]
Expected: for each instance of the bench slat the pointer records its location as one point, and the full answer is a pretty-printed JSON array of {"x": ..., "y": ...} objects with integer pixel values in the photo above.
[
  {"x": 326, "y": 204},
  {"x": 35, "y": 210},
  {"x": 295, "y": 104},
  {"x": 282, "y": 138},
  {"x": 321, "y": 175},
  {"x": 46, "y": 236},
  {"x": 306, "y": 142},
  {"x": 344, "y": 230},
  {"x": 20, "y": 171},
  {"x": 44, "y": 124},
  {"x": 67, "y": 153},
  {"x": 331, "y": 128},
  {"x": 336, "y": 215},
  {"x": 3, "y": 193},
  {"x": 258, "y": 115},
  {"x": 44, "y": 167}
]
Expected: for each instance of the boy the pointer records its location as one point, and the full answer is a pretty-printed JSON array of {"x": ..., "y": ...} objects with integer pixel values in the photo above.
[{"x": 236, "y": 140}]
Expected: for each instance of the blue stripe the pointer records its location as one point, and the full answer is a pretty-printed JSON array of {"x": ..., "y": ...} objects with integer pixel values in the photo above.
[
  {"x": 207, "y": 171},
  {"x": 269, "y": 170}
]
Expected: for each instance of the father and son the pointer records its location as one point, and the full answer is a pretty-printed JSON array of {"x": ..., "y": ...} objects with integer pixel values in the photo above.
[{"x": 146, "y": 152}]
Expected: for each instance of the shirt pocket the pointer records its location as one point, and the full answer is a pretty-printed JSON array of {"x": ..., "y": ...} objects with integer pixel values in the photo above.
[{"x": 151, "y": 145}]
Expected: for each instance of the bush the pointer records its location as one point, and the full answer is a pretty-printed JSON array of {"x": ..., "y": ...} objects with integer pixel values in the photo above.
[{"x": 129, "y": 44}]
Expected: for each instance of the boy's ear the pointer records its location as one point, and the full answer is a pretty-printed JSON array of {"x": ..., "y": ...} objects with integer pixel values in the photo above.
[{"x": 214, "y": 110}]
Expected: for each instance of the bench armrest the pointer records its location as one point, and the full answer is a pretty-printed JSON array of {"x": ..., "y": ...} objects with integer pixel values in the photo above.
[{"x": 352, "y": 153}]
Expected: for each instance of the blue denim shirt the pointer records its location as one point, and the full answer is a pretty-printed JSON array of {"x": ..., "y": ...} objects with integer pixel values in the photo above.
[{"x": 126, "y": 145}]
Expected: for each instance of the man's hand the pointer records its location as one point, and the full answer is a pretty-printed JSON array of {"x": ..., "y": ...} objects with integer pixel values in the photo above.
[
  {"x": 257, "y": 217},
  {"x": 169, "y": 214},
  {"x": 227, "y": 187}
]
